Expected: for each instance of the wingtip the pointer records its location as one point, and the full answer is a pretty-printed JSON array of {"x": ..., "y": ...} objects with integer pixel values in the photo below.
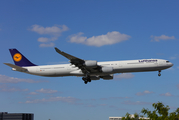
[{"x": 57, "y": 50}]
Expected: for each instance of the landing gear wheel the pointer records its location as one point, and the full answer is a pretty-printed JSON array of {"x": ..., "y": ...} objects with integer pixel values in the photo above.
[
  {"x": 85, "y": 82},
  {"x": 83, "y": 78},
  {"x": 86, "y": 79}
]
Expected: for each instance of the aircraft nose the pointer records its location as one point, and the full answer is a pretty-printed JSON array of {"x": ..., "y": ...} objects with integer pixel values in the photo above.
[{"x": 171, "y": 64}]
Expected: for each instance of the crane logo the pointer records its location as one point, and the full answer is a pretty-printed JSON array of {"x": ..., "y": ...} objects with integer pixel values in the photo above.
[{"x": 17, "y": 57}]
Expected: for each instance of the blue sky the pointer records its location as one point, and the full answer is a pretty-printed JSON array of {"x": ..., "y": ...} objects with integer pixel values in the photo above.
[{"x": 99, "y": 30}]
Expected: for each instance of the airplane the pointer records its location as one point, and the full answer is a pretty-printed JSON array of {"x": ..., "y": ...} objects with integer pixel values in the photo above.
[{"x": 87, "y": 69}]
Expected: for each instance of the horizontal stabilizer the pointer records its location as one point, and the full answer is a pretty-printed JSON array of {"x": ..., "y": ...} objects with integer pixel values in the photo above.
[{"x": 15, "y": 67}]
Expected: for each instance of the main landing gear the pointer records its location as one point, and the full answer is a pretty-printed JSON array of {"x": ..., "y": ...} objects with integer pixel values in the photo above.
[
  {"x": 86, "y": 79},
  {"x": 159, "y": 74}
]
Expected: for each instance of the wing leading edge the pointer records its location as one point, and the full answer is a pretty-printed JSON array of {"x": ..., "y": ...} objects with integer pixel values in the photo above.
[{"x": 73, "y": 60}]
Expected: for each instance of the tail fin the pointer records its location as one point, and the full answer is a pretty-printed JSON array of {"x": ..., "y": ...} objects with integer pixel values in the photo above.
[{"x": 19, "y": 59}]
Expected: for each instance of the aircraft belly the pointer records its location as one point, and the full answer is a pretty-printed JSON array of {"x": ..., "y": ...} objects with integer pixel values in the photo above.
[
  {"x": 54, "y": 71},
  {"x": 47, "y": 71},
  {"x": 77, "y": 73}
]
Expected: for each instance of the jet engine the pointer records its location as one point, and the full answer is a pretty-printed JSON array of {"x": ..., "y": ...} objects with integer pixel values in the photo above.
[
  {"x": 94, "y": 77},
  {"x": 106, "y": 69},
  {"x": 107, "y": 77},
  {"x": 90, "y": 63}
]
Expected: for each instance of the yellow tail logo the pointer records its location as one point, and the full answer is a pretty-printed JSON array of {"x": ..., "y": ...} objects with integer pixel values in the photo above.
[{"x": 17, "y": 57}]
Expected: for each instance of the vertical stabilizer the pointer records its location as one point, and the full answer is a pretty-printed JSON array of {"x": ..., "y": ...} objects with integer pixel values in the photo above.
[{"x": 19, "y": 59}]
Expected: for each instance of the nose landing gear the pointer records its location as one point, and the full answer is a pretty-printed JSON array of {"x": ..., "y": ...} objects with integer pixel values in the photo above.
[{"x": 159, "y": 74}]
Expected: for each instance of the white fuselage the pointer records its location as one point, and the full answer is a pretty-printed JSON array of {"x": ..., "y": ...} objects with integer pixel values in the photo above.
[{"x": 118, "y": 67}]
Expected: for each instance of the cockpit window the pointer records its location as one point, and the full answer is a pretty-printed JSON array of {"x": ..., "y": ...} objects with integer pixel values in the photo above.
[{"x": 167, "y": 61}]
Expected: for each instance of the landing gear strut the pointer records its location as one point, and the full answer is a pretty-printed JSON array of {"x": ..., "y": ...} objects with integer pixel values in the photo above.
[{"x": 159, "y": 74}]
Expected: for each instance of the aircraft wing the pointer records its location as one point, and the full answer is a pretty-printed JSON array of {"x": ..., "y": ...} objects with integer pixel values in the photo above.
[
  {"x": 74, "y": 60},
  {"x": 17, "y": 68},
  {"x": 78, "y": 62}
]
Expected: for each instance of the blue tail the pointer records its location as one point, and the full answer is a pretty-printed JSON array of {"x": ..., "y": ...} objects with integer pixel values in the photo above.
[{"x": 19, "y": 59}]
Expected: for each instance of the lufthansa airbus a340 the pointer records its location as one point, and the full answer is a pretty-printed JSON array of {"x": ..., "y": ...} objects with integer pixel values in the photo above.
[{"x": 87, "y": 69}]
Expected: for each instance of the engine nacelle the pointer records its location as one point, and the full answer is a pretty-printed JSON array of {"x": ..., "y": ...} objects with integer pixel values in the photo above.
[
  {"x": 107, "y": 77},
  {"x": 106, "y": 69},
  {"x": 90, "y": 63},
  {"x": 94, "y": 78}
]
